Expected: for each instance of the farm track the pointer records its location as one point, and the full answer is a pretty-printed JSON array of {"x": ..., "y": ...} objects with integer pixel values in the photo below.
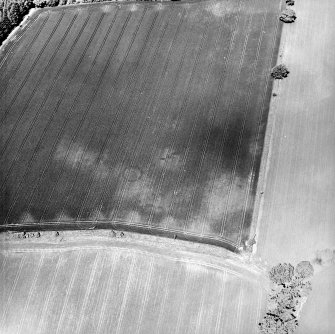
[{"x": 147, "y": 116}]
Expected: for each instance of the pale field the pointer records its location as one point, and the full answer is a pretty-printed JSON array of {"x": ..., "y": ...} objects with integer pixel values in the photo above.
[
  {"x": 297, "y": 212},
  {"x": 113, "y": 285}
]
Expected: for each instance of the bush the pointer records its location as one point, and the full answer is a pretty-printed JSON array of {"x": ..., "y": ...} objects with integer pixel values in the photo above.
[
  {"x": 282, "y": 273},
  {"x": 280, "y": 72},
  {"x": 304, "y": 269},
  {"x": 288, "y": 16}
]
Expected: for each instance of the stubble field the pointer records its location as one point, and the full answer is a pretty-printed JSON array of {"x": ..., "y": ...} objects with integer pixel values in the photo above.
[{"x": 144, "y": 116}]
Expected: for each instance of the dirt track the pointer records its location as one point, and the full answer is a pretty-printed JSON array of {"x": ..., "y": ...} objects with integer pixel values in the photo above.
[{"x": 297, "y": 212}]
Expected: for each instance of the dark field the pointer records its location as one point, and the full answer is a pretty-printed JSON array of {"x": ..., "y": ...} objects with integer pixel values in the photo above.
[{"x": 140, "y": 116}]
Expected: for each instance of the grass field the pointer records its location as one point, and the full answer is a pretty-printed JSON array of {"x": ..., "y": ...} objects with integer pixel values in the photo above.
[
  {"x": 145, "y": 116},
  {"x": 297, "y": 216},
  {"x": 111, "y": 287}
]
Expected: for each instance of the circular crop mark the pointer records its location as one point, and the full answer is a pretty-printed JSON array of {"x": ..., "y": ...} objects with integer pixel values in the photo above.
[{"x": 132, "y": 174}]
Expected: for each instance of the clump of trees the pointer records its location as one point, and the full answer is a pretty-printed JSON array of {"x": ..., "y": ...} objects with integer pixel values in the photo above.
[
  {"x": 290, "y": 2},
  {"x": 11, "y": 14},
  {"x": 290, "y": 287},
  {"x": 280, "y": 71},
  {"x": 288, "y": 15}
]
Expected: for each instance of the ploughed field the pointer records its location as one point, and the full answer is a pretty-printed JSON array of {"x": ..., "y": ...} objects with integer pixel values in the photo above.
[
  {"x": 141, "y": 116},
  {"x": 116, "y": 289}
]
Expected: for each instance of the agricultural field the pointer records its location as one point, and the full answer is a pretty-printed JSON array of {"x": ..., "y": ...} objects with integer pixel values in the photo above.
[
  {"x": 296, "y": 220},
  {"x": 116, "y": 287},
  {"x": 141, "y": 116}
]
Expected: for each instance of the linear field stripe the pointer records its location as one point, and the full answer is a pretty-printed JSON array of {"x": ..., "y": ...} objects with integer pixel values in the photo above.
[
  {"x": 211, "y": 116},
  {"x": 56, "y": 201},
  {"x": 222, "y": 298},
  {"x": 46, "y": 96},
  {"x": 106, "y": 295},
  {"x": 31, "y": 291},
  {"x": 14, "y": 71},
  {"x": 87, "y": 110},
  {"x": 201, "y": 308},
  {"x": 132, "y": 76},
  {"x": 239, "y": 310},
  {"x": 165, "y": 295},
  {"x": 74, "y": 104},
  {"x": 119, "y": 109},
  {"x": 130, "y": 278},
  {"x": 70, "y": 112},
  {"x": 54, "y": 146},
  {"x": 12, "y": 289},
  {"x": 263, "y": 100},
  {"x": 28, "y": 100},
  {"x": 32, "y": 67},
  {"x": 109, "y": 137},
  {"x": 146, "y": 293},
  {"x": 205, "y": 32},
  {"x": 230, "y": 101},
  {"x": 110, "y": 174},
  {"x": 183, "y": 302},
  {"x": 68, "y": 292},
  {"x": 246, "y": 107},
  {"x": 87, "y": 292},
  {"x": 52, "y": 287}
]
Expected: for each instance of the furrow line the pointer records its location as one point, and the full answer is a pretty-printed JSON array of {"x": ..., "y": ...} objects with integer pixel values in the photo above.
[
  {"x": 126, "y": 292},
  {"x": 39, "y": 143},
  {"x": 130, "y": 80},
  {"x": 25, "y": 107},
  {"x": 39, "y": 178},
  {"x": 236, "y": 158},
  {"x": 110, "y": 174},
  {"x": 261, "y": 115},
  {"x": 146, "y": 292},
  {"x": 13, "y": 287},
  {"x": 31, "y": 290},
  {"x": 87, "y": 293},
  {"x": 32, "y": 67},
  {"x": 104, "y": 302},
  {"x": 43, "y": 313},
  {"x": 13, "y": 72},
  {"x": 68, "y": 292}
]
